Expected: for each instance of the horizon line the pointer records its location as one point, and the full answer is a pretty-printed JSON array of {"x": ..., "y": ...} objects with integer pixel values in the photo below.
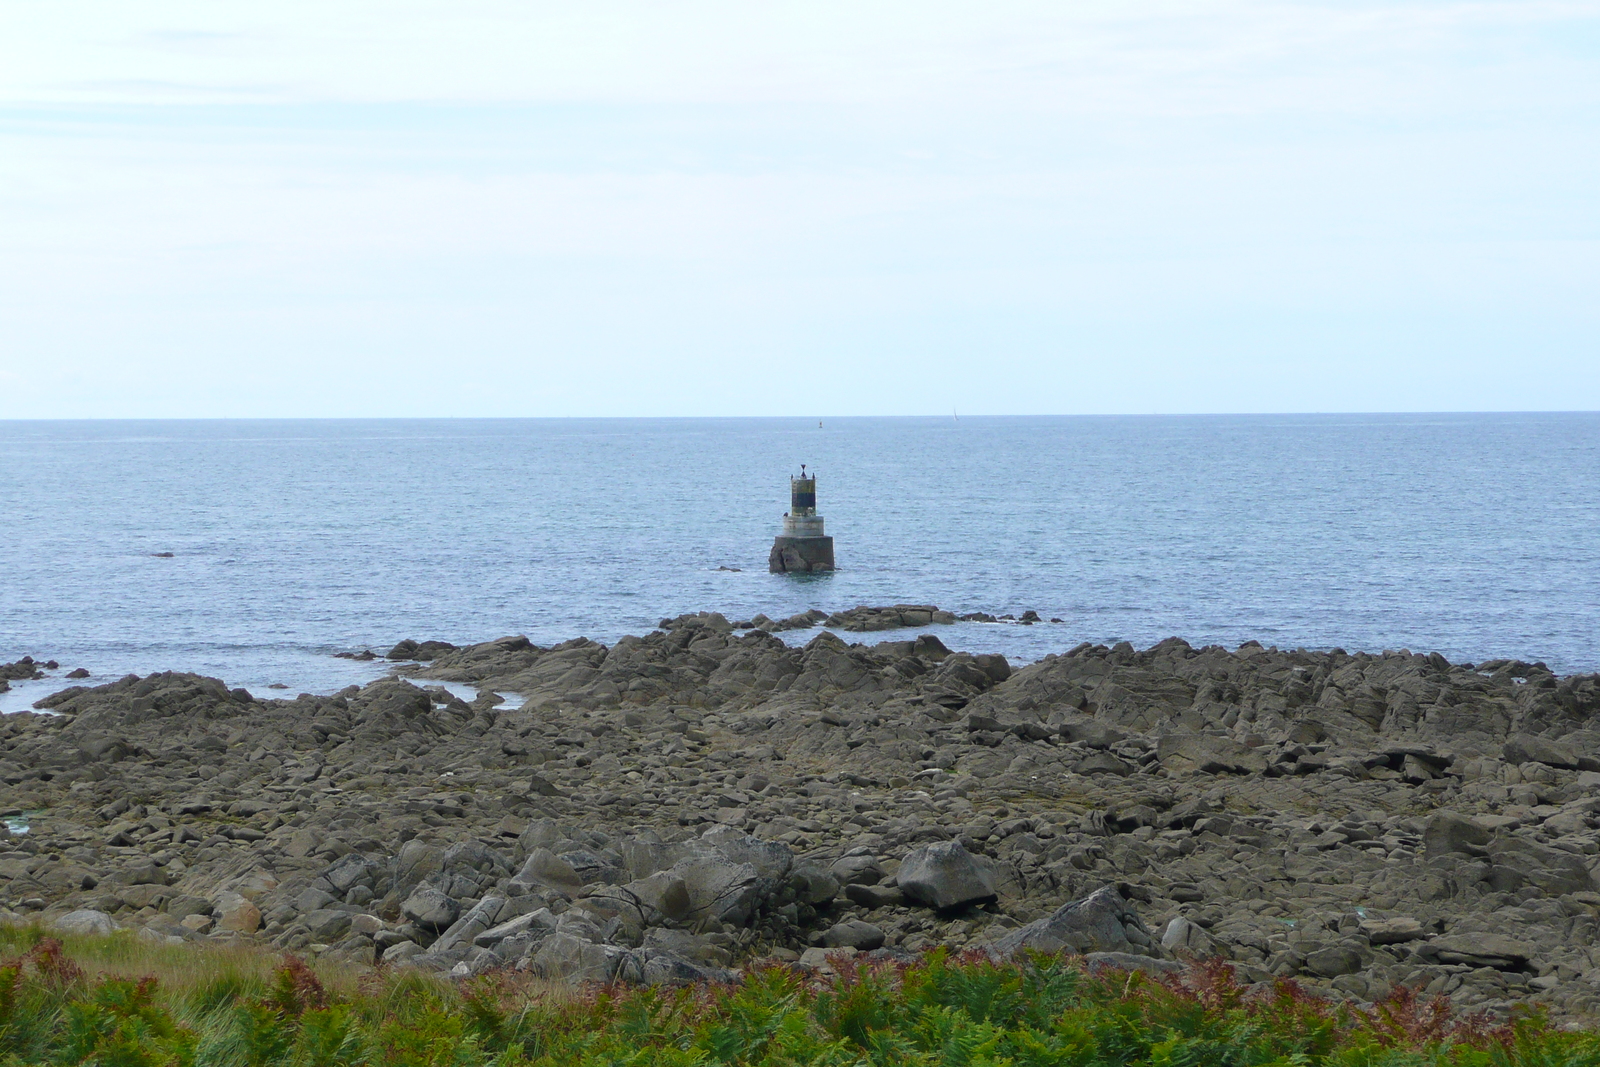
[{"x": 821, "y": 417}]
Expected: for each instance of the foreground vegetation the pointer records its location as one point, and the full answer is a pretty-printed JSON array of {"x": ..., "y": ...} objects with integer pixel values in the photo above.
[{"x": 119, "y": 1002}]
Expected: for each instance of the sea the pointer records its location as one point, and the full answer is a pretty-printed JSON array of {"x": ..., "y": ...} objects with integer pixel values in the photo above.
[{"x": 255, "y": 551}]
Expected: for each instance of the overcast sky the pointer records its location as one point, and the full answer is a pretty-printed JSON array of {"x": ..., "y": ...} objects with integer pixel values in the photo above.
[{"x": 689, "y": 208}]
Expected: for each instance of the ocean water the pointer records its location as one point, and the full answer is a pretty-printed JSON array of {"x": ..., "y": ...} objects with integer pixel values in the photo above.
[{"x": 1476, "y": 536}]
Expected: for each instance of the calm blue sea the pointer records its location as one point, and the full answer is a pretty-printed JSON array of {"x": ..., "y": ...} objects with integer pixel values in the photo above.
[{"x": 1474, "y": 535}]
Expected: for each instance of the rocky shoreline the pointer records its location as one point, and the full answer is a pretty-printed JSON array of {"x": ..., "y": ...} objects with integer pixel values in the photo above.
[{"x": 678, "y": 804}]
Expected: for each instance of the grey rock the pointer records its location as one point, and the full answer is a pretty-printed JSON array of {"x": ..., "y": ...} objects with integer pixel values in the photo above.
[
  {"x": 348, "y": 871},
  {"x": 1100, "y": 922},
  {"x": 1530, "y": 748},
  {"x": 480, "y": 917},
  {"x": 312, "y": 898},
  {"x": 813, "y": 885},
  {"x": 1481, "y": 950},
  {"x": 510, "y": 928},
  {"x": 475, "y": 962},
  {"x": 874, "y": 896},
  {"x": 945, "y": 875},
  {"x": 1186, "y": 752},
  {"x": 664, "y": 968},
  {"x": 1449, "y": 832},
  {"x": 853, "y": 933},
  {"x": 667, "y": 941},
  {"x": 1184, "y": 938},
  {"x": 1392, "y": 931},
  {"x": 327, "y": 925},
  {"x": 430, "y": 907},
  {"x": 416, "y": 861},
  {"x": 1103, "y": 763},
  {"x": 544, "y": 869},
  {"x": 1098, "y": 962},
  {"x": 186, "y": 904},
  {"x": 857, "y": 870},
  {"x": 1334, "y": 960},
  {"x": 574, "y": 959},
  {"x": 86, "y": 921}
]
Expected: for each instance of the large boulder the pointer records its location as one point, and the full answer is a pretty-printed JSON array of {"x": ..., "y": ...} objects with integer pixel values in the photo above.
[
  {"x": 430, "y": 907},
  {"x": 347, "y": 871},
  {"x": 85, "y": 921},
  {"x": 1182, "y": 751},
  {"x": 543, "y": 869},
  {"x": 853, "y": 933},
  {"x": 696, "y": 888},
  {"x": 857, "y": 870},
  {"x": 326, "y": 924},
  {"x": 945, "y": 876},
  {"x": 237, "y": 913},
  {"x": 1186, "y": 939},
  {"x": 726, "y": 876},
  {"x": 1516, "y": 862},
  {"x": 480, "y": 917},
  {"x": 1129, "y": 961},
  {"x": 1479, "y": 950},
  {"x": 416, "y": 862},
  {"x": 813, "y": 885},
  {"x": 1531, "y": 748},
  {"x": 1448, "y": 832},
  {"x": 1100, "y": 922},
  {"x": 390, "y": 698},
  {"x": 573, "y": 958}
]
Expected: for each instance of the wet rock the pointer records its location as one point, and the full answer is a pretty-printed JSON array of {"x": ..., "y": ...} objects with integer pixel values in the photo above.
[{"x": 418, "y": 650}]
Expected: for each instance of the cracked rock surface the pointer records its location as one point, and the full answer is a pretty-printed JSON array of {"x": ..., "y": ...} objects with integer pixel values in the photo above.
[{"x": 674, "y": 805}]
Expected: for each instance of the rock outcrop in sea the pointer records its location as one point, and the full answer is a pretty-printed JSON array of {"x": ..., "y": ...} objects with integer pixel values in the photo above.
[{"x": 677, "y": 804}]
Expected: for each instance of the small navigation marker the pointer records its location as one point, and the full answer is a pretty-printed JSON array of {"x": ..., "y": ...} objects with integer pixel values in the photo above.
[{"x": 802, "y": 548}]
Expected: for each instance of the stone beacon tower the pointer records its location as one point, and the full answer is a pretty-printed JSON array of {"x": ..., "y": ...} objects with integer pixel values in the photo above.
[{"x": 802, "y": 547}]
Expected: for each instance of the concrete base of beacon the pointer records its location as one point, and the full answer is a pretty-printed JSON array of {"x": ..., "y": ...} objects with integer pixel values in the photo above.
[{"x": 800, "y": 555}]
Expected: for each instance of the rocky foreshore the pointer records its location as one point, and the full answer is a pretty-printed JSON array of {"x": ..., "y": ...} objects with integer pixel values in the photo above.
[{"x": 678, "y": 804}]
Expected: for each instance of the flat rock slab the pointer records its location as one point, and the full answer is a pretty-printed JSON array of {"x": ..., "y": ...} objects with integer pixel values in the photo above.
[{"x": 1481, "y": 950}]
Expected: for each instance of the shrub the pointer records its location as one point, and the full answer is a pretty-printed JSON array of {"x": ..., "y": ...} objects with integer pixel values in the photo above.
[{"x": 945, "y": 1010}]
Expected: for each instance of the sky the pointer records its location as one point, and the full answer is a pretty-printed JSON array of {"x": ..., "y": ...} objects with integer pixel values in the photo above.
[{"x": 683, "y": 207}]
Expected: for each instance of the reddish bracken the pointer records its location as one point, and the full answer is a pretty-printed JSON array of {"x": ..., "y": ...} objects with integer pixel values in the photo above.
[
  {"x": 49, "y": 962},
  {"x": 295, "y": 988}
]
